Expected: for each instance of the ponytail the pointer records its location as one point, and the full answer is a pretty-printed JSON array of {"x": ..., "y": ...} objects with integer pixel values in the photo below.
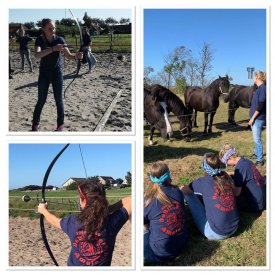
[{"x": 94, "y": 216}]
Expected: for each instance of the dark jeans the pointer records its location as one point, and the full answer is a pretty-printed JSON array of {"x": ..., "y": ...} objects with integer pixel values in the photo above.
[{"x": 45, "y": 78}]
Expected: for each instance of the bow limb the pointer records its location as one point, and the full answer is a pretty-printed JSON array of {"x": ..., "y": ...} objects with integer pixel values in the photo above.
[
  {"x": 81, "y": 43},
  {"x": 43, "y": 199}
]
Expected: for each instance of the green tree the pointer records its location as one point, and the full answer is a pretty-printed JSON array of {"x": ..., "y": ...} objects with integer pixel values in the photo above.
[{"x": 128, "y": 177}]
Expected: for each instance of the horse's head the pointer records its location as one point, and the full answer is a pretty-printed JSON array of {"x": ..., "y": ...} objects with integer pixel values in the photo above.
[
  {"x": 223, "y": 86},
  {"x": 186, "y": 127}
]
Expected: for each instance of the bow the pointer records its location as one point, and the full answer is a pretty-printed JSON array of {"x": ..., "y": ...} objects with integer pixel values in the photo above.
[
  {"x": 81, "y": 43},
  {"x": 43, "y": 200}
]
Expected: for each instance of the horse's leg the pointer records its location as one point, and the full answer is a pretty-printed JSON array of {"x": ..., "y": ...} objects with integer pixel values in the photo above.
[
  {"x": 231, "y": 112},
  {"x": 205, "y": 122},
  {"x": 152, "y": 129},
  {"x": 195, "y": 118},
  {"x": 211, "y": 121}
]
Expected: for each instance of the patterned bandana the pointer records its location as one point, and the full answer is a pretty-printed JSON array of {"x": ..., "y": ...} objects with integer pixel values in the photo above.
[
  {"x": 209, "y": 170},
  {"x": 162, "y": 179},
  {"x": 228, "y": 155}
]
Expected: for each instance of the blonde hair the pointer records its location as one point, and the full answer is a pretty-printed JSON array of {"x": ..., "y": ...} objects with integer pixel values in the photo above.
[
  {"x": 261, "y": 76},
  {"x": 226, "y": 147},
  {"x": 153, "y": 190}
]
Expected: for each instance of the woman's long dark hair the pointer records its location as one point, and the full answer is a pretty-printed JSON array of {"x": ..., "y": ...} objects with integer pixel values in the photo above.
[{"x": 95, "y": 214}]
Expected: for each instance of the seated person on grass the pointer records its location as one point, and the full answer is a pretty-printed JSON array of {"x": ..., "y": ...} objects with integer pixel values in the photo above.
[
  {"x": 217, "y": 218},
  {"x": 165, "y": 231},
  {"x": 250, "y": 185}
]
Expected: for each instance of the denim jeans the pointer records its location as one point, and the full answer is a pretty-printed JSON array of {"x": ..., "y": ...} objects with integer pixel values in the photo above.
[
  {"x": 45, "y": 78},
  {"x": 149, "y": 255},
  {"x": 199, "y": 216},
  {"x": 27, "y": 54},
  {"x": 90, "y": 59},
  {"x": 257, "y": 137}
]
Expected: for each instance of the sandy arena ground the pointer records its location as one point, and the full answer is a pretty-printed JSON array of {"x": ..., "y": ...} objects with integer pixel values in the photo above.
[
  {"x": 26, "y": 247},
  {"x": 100, "y": 101}
]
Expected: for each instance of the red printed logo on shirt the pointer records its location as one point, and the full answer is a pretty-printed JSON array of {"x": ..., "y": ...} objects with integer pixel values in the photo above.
[
  {"x": 92, "y": 252},
  {"x": 172, "y": 218},
  {"x": 226, "y": 199},
  {"x": 260, "y": 180}
]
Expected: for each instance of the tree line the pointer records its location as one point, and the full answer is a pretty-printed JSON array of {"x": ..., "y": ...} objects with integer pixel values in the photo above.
[{"x": 181, "y": 68}]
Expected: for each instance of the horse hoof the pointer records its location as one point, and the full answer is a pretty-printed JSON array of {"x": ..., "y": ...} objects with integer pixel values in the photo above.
[
  {"x": 209, "y": 131},
  {"x": 205, "y": 133}
]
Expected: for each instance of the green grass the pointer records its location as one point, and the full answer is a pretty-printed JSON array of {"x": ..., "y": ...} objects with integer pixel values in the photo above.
[
  {"x": 248, "y": 245},
  {"x": 59, "y": 202}
]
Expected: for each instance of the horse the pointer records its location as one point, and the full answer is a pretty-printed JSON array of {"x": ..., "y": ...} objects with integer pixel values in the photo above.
[
  {"x": 157, "y": 116},
  {"x": 176, "y": 106},
  {"x": 206, "y": 100},
  {"x": 239, "y": 96}
]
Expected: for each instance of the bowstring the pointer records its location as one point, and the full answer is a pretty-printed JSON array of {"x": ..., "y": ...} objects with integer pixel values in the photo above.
[{"x": 83, "y": 161}]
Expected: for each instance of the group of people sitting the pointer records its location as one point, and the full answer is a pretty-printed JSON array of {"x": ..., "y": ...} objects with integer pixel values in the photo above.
[{"x": 214, "y": 201}]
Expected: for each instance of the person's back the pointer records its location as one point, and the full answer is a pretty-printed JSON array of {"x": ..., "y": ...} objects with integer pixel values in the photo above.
[
  {"x": 164, "y": 218},
  {"x": 98, "y": 250},
  {"x": 248, "y": 177},
  {"x": 167, "y": 224},
  {"x": 249, "y": 184}
]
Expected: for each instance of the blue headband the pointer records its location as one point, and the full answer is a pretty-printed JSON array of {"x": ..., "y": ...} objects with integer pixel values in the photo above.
[
  {"x": 209, "y": 170},
  {"x": 162, "y": 179},
  {"x": 228, "y": 155}
]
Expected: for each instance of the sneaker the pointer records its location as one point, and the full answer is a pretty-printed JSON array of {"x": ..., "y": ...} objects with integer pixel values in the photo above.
[
  {"x": 59, "y": 128},
  {"x": 259, "y": 163},
  {"x": 35, "y": 128},
  {"x": 253, "y": 156}
]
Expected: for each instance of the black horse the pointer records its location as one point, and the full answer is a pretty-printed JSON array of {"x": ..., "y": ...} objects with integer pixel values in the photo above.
[
  {"x": 157, "y": 116},
  {"x": 206, "y": 100},
  {"x": 176, "y": 106},
  {"x": 239, "y": 96}
]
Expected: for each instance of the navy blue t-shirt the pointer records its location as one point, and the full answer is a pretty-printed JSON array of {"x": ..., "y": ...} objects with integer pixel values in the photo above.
[
  {"x": 23, "y": 42},
  {"x": 52, "y": 60},
  {"x": 99, "y": 250},
  {"x": 86, "y": 40},
  {"x": 220, "y": 208},
  {"x": 259, "y": 97},
  {"x": 167, "y": 224},
  {"x": 247, "y": 176}
]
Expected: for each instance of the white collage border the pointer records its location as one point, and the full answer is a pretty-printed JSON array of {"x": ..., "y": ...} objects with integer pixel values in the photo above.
[{"x": 135, "y": 137}]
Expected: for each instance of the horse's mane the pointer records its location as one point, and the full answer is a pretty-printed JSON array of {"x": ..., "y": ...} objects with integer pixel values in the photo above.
[{"x": 175, "y": 104}]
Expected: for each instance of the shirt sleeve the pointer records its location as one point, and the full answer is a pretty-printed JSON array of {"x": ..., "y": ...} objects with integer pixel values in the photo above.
[
  {"x": 118, "y": 219},
  {"x": 39, "y": 42},
  {"x": 66, "y": 222},
  {"x": 262, "y": 99},
  {"x": 238, "y": 178}
]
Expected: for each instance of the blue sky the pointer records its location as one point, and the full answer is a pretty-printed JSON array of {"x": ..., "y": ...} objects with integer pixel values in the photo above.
[
  {"x": 29, "y": 162},
  {"x": 34, "y": 15},
  {"x": 237, "y": 38}
]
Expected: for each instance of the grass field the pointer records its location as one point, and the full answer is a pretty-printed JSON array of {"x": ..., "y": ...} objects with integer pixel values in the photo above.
[
  {"x": 248, "y": 245},
  {"x": 61, "y": 203}
]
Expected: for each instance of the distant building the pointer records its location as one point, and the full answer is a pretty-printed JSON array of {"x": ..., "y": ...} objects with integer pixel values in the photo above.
[
  {"x": 105, "y": 180},
  {"x": 73, "y": 180}
]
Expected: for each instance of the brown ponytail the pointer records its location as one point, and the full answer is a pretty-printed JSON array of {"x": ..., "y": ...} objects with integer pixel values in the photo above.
[{"x": 95, "y": 214}]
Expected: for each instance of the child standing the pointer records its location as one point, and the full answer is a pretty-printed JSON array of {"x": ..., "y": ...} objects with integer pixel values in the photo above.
[
  {"x": 217, "y": 218},
  {"x": 93, "y": 232},
  {"x": 164, "y": 217},
  {"x": 250, "y": 185}
]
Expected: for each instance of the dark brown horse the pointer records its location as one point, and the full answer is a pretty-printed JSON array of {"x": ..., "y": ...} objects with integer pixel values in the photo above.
[
  {"x": 157, "y": 116},
  {"x": 206, "y": 100},
  {"x": 239, "y": 96},
  {"x": 176, "y": 106}
]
